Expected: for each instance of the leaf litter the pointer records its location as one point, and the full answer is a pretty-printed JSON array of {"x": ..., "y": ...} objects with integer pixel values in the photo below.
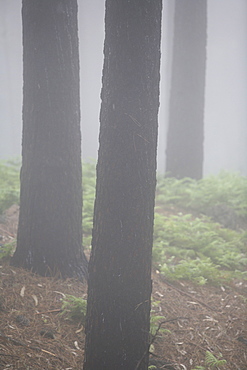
[{"x": 34, "y": 335}]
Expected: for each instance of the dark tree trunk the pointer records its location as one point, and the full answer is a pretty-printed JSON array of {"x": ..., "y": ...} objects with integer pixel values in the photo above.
[
  {"x": 184, "y": 153},
  {"x": 117, "y": 329},
  {"x": 49, "y": 237}
]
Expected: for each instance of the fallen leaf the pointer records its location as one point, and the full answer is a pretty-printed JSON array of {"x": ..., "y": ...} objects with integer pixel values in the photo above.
[
  {"x": 79, "y": 330},
  {"x": 35, "y": 299},
  {"x": 22, "y": 292},
  {"x": 55, "y": 291}
]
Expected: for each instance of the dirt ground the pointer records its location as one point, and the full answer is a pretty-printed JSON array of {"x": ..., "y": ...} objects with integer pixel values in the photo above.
[{"x": 34, "y": 335}]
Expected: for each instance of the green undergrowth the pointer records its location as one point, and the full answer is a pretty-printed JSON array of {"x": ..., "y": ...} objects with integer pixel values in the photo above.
[
  {"x": 74, "y": 308},
  {"x": 88, "y": 186},
  {"x": 195, "y": 248},
  {"x": 212, "y": 362},
  {"x": 7, "y": 249},
  {"x": 225, "y": 188},
  {"x": 188, "y": 244},
  {"x": 156, "y": 319},
  {"x": 9, "y": 183}
]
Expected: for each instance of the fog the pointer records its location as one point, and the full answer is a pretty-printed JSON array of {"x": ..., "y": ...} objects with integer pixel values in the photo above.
[{"x": 225, "y": 120}]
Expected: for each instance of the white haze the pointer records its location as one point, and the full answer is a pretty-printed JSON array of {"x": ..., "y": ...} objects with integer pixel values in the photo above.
[{"x": 226, "y": 81}]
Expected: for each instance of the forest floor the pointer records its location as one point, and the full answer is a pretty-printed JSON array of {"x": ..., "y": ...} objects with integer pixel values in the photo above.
[{"x": 34, "y": 334}]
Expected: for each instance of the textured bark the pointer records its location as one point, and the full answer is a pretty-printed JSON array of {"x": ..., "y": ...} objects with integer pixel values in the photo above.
[
  {"x": 49, "y": 237},
  {"x": 119, "y": 286},
  {"x": 184, "y": 153}
]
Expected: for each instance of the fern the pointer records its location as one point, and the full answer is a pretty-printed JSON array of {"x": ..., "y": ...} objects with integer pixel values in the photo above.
[
  {"x": 225, "y": 188},
  {"x": 185, "y": 246},
  {"x": 212, "y": 362},
  {"x": 198, "y": 270},
  {"x": 74, "y": 308},
  {"x": 7, "y": 250},
  {"x": 10, "y": 184},
  {"x": 88, "y": 186},
  {"x": 194, "y": 248},
  {"x": 154, "y": 325}
]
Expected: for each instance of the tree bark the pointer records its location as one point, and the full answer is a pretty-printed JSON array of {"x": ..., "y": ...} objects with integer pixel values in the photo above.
[
  {"x": 119, "y": 286},
  {"x": 49, "y": 239},
  {"x": 184, "y": 153}
]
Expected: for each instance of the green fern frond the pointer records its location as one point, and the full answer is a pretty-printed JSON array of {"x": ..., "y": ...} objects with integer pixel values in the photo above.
[
  {"x": 74, "y": 308},
  {"x": 212, "y": 361}
]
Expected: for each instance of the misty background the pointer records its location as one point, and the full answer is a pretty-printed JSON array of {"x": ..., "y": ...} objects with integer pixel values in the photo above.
[{"x": 225, "y": 145}]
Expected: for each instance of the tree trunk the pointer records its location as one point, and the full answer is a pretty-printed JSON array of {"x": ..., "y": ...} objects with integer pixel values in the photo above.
[
  {"x": 184, "y": 153},
  {"x": 49, "y": 239},
  {"x": 119, "y": 290}
]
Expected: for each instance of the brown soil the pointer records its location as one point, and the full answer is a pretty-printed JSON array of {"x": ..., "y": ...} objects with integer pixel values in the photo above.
[{"x": 34, "y": 335}]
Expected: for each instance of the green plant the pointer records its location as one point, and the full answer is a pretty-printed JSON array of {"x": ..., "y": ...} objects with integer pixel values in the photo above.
[
  {"x": 211, "y": 362},
  {"x": 154, "y": 324},
  {"x": 200, "y": 271},
  {"x": 10, "y": 183},
  {"x": 185, "y": 246},
  {"x": 88, "y": 186},
  {"x": 156, "y": 319},
  {"x": 74, "y": 308},
  {"x": 7, "y": 250},
  {"x": 195, "y": 248},
  {"x": 225, "y": 188}
]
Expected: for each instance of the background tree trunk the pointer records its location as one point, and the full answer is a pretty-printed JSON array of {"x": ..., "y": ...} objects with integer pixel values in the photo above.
[
  {"x": 117, "y": 329},
  {"x": 184, "y": 153},
  {"x": 49, "y": 237}
]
